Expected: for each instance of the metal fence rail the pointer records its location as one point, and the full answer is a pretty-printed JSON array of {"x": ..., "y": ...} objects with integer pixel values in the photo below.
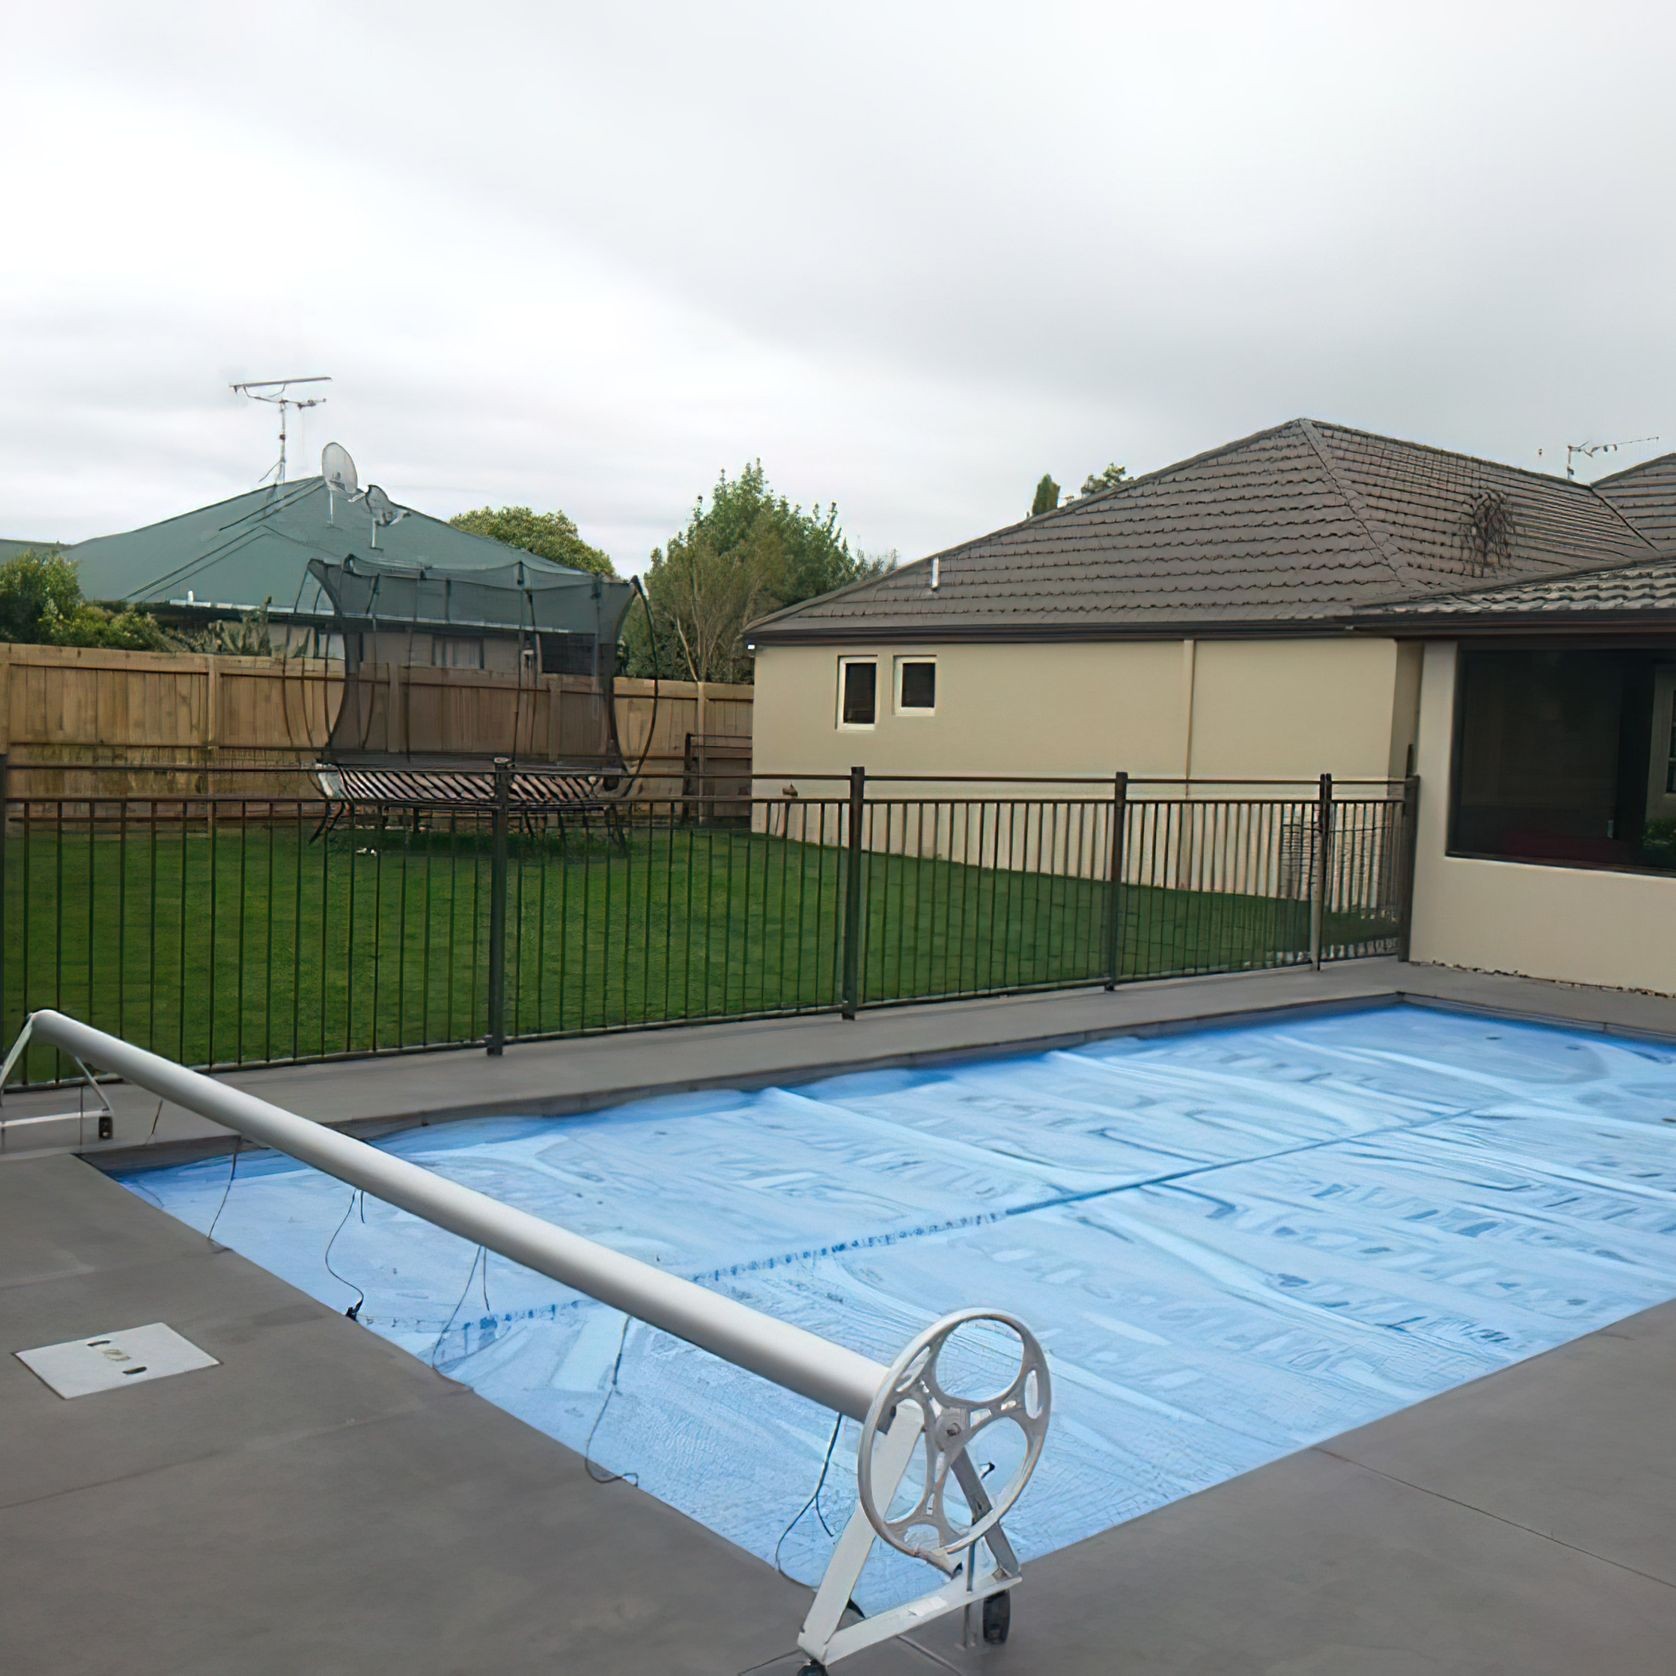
[{"x": 230, "y": 930}]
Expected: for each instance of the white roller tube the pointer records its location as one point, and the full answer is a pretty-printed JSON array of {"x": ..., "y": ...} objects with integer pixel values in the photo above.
[{"x": 803, "y": 1362}]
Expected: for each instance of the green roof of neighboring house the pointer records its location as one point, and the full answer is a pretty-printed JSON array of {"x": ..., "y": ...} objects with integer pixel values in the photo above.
[
  {"x": 10, "y": 549},
  {"x": 238, "y": 553}
]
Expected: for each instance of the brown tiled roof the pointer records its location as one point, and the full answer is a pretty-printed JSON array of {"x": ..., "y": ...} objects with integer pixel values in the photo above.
[
  {"x": 1639, "y": 594},
  {"x": 1646, "y": 496},
  {"x": 1295, "y": 525}
]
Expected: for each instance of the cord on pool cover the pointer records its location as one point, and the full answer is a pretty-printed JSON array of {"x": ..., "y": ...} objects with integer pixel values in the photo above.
[
  {"x": 232, "y": 1170},
  {"x": 480, "y": 1255},
  {"x": 356, "y": 1196},
  {"x": 813, "y": 1501},
  {"x": 610, "y": 1390}
]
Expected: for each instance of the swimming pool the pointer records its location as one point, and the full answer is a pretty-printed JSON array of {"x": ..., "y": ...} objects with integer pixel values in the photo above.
[{"x": 1232, "y": 1242}]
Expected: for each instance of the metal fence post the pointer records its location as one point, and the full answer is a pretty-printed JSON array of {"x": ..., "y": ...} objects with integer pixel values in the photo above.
[
  {"x": 5, "y": 836},
  {"x": 1405, "y": 876},
  {"x": 851, "y": 998},
  {"x": 1318, "y": 884},
  {"x": 495, "y": 1041},
  {"x": 1114, "y": 893}
]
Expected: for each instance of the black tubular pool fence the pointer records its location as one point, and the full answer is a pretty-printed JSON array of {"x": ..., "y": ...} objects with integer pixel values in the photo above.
[{"x": 223, "y": 928}]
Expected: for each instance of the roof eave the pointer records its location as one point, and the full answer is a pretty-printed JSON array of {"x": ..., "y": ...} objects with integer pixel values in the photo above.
[
  {"x": 1466, "y": 625},
  {"x": 899, "y": 633}
]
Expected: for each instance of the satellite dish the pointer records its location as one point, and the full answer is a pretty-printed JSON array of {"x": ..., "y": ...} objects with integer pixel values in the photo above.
[
  {"x": 338, "y": 469},
  {"x": 384, "y": 510}
]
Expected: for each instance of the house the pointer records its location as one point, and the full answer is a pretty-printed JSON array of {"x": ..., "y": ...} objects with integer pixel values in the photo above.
[
  {"x": 232, "y": 558},
  {"x": 1546, "y": 749},
  {"x": 1309, "y": 599},
  {"x": 11, "y": 547}
]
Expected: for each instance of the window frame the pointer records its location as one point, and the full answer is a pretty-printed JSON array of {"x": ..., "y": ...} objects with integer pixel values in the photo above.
[
  {"x": 872, "y": 662},
  {"x": 438, "y": 641},
  {"x": 1456, "y": 848},
  {"x": 1667, "y": 735},
  {"x": 903, "y": 659}
]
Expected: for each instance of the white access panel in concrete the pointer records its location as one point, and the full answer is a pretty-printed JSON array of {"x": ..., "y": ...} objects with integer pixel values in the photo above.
[{"x": 110, "y": 1361}]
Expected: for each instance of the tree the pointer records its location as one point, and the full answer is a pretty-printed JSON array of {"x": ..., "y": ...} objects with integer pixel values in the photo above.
[
  {"x": 41, "y": 603},
  {"x": 747, "y": 553},
  {"x": 1113, "y": 477},
  {"x": 702, "y": 599},
  {"x": 127, "y": 630},
  {"x": 552, "y": 535},
  {"x": 1047, "y": 496},
  {"x": 250, "y": 637},
  {"x": 36, "y": 590}
]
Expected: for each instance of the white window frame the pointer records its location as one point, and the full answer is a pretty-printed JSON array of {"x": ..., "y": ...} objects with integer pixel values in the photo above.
[
  {"x": 857, "y": 727},
  {"x": 937, "y": 684}
]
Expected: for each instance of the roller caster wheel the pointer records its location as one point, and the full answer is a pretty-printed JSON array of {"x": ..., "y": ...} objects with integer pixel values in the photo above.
[
  {"x": 812, "y": 1670},
  {"x": 997, "y": 1619}
]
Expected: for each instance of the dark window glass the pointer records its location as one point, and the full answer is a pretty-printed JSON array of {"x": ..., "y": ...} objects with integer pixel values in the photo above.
[
  {"x": 567, "y": 654},
  {"x": 860, "y": 698},
  {"x": 919, "y": 685},
  {"x": 1559, "y": 757}
]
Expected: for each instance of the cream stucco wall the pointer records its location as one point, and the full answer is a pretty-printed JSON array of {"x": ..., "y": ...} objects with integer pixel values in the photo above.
[
  {"x": 1224, "y": 709},
  {"x": 1576, "y": 925},
  {"x": 1282, "y": 709}
]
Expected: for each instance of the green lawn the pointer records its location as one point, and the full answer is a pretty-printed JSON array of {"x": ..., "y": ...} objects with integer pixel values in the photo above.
[{"x": 258, "y": 944}]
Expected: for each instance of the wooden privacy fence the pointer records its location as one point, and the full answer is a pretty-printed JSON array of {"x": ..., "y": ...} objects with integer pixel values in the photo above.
[{"x": 111, "y": 713}]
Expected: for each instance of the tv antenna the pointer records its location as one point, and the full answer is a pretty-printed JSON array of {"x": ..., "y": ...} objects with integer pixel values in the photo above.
[
  {"x": 275, "y": 391},
  {"x": 1575, "y": 451}
]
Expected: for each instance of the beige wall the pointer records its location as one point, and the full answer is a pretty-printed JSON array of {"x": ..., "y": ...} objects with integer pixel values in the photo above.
[
  {"x": 1298, "y": 708},
  {"x": 1212, "y": 708},
  {"x": 1576, "y": 925},
  {"x": 1234, "y": 710}
]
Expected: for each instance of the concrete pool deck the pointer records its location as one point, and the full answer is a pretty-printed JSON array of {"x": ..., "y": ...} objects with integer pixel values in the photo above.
[
  {"x": 584, "y": 1073},
  {"x": 324, "y": 1502}
]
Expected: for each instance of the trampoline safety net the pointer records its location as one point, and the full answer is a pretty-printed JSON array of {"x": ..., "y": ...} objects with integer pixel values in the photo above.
[{"x": 453, "y": 668}]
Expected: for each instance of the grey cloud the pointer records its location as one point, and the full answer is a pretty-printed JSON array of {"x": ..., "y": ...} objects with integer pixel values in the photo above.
[{"x": 912, "y": 256}]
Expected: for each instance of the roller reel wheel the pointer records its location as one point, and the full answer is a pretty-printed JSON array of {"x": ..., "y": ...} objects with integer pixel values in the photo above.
[{"x": 950, "y": 1425}]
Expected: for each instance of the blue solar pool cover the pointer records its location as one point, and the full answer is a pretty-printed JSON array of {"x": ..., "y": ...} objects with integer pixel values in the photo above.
[{"x": 1232, "y": 1243}]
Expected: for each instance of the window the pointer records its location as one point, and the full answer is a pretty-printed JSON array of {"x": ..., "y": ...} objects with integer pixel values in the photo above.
[
  {"x": 916, "y": 686},
  {"x": 457, "y": 651},
  {"x": 858, "y": 692},
  {"x": 1565, "y": 756},
  {"x": 1670, "y": 742},
  {"x": 569, "y": 654}
]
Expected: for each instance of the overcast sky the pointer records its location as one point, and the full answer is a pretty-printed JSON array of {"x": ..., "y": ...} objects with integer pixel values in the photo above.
[{"x": 913, "y": 256}]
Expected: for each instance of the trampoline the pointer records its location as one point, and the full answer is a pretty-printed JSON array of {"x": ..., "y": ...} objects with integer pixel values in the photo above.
[{"x": 413, "y": 732}]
